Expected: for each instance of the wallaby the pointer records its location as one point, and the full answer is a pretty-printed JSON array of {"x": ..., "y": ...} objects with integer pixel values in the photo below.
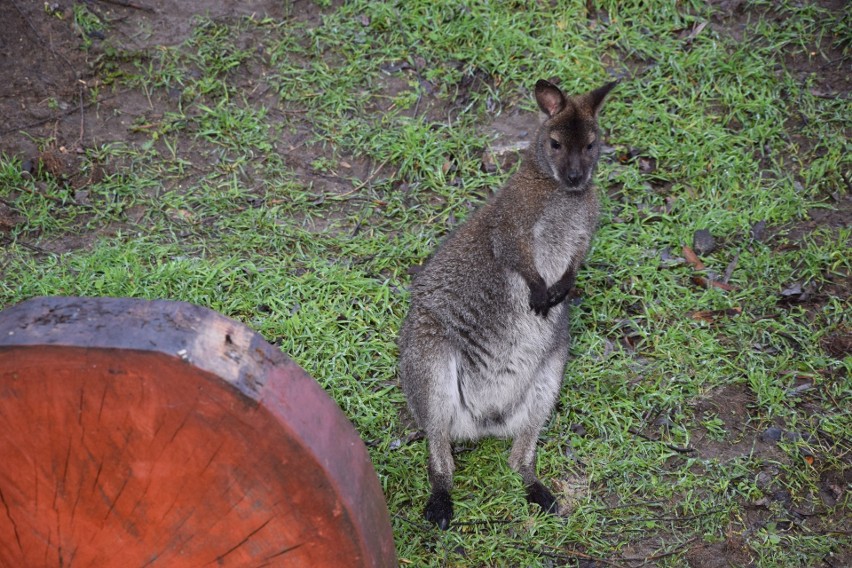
[{"x": 484, "y": 346}]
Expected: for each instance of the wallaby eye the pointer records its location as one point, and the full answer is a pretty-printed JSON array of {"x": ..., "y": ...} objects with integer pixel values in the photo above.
[
  {"x": 591, "y": 146},
  {"x": 555, "y": 144}
]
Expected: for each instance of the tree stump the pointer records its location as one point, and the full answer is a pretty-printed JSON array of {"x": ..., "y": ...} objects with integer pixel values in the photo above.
[{"x": 153, "y": 433}]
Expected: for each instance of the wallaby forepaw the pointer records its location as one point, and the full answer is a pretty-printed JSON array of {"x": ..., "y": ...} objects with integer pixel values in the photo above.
[
  {"x": 541, "y": 496},
  {"x": 439, "y": 509},
  {"x": 555, "y": 297},
  {"x": 539, "y": 301}
]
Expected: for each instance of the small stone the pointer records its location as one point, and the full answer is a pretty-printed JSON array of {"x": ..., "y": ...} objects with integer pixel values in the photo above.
[
  {"x": 782, "y": 496},
  {"x": 792, "y": 436},
  {"x": 792, "y": 290},
  {"x": 664, "y": 423},
  {"x": 771, "y": 435},
  {"x": 82, "y": 197},
  {"x": 703, "y": 242},
  {"x": 578, "y": 429},
  {"x": 488, "y": 165},
  {"x": 757, "y": 231},
  {"x": 830, "y": 493}
]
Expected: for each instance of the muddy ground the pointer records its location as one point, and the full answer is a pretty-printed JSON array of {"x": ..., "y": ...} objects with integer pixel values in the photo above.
[{"x": 43, "y": 97}]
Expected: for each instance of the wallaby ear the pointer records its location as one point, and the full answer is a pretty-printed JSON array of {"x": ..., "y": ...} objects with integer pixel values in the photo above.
[
  {"x": 549, "y": 98},
  {"x": 596, "y": 97}
]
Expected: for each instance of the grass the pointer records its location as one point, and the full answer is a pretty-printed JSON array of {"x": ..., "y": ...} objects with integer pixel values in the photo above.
[{"x": 240, "y": 194}]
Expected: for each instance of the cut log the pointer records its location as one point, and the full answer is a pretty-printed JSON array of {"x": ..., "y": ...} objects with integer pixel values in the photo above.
[{"x": 154, "y": 433}]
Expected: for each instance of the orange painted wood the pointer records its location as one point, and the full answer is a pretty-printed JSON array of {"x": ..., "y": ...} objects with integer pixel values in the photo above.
[{"x": 151, "y": 433}]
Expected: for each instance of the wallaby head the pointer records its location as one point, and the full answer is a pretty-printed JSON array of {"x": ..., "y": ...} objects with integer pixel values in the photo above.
[{"x": 567, "y": 146}]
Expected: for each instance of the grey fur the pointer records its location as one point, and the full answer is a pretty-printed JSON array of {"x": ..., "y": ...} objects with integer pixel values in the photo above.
[{"x": 484, "y": 346}]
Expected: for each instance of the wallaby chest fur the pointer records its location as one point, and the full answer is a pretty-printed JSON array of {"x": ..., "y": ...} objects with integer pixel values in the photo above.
[{"x": 484, "y": 345}]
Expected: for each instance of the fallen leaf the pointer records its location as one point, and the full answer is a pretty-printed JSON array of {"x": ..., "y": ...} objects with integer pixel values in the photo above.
[
  {"x": 693, "y": 32},
  {"x": 629, "y": 155},
  {"x": 711, "y": 316},
  {"x": 708, "y": 283},
  {"x": 703, "y": 281},
  {"x": 647, "y": 165},
  {"x": 692, "y": 258}
]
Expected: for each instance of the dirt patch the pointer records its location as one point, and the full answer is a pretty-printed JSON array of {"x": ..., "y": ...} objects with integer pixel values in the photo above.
[
  {"x": 739, "y": 435},
  {"x": 43, "y": 67},
  {"x": 732, "y": 552},
  {"x": 732, "y": 430}
]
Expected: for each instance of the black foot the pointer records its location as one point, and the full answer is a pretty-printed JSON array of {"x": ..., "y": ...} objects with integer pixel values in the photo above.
[
  {"x": 541, "y": 495},
  {"x": 439, "y": 509}
]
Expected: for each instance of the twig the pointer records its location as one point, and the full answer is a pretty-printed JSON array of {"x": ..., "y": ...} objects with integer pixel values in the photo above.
[
  {"x": 58, "y": 116},
  {"x": 564, "y": 554},
  {"x": 361, "y": 185},
  {"x": 627, "y": 506},
  {"x": 129, "y": 5},
  {"x": 58, "y": 200},
  {"x": 675, "y": 550},
  {"x": 82, "y": 116},
  {"x": 369, "y": 177},
  {"x": 687, "y": 518},
  {"x": 669, "y": 446},
  {"x": 8, "y": 241},
  {"x": 420, "y": 526},
  {"x": 486, "y": 522},
  {"x": 729, "y": 271}
]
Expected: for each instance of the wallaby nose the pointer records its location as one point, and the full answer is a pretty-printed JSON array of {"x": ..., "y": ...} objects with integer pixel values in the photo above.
[{"x": 574, "y": 177}]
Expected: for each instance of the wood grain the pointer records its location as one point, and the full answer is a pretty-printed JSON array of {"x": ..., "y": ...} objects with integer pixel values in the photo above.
[{"x": 136, "y": 433}]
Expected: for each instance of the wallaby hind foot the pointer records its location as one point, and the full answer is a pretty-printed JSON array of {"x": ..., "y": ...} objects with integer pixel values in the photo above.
[
  {"x": 540, "y": 495},
  {"x": 439, "y": 509}
]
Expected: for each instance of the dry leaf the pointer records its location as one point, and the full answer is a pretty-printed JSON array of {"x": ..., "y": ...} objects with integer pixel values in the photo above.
[
  {"x": 703, "y": 281},
  {"x": 708, "y": 283},
  {"x": 692, "y": 258},
  {"x": 711, "y": 316}
]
